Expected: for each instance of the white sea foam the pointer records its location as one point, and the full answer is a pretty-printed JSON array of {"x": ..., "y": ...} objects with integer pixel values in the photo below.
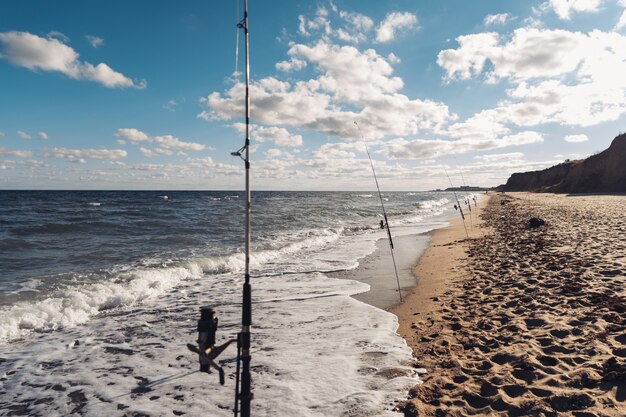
[
  {"x": 431, "y": 204},
  {"x": 75, "y": 305},
  {"x": 94, "y": 204},
  {"x": 318, "y": 351}
]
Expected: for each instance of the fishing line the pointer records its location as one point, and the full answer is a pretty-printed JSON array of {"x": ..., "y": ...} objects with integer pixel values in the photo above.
[
  {"x": 236, "y": 73},
  {"x": 384, "y": 212},
  {"x": 457, "y": 203}
]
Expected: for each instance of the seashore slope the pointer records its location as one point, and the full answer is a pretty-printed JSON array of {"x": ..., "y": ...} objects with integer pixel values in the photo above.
[{"x": 522, "y": 321}]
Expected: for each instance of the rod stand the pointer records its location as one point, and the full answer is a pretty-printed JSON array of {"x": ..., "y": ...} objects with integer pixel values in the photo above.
[{"x": 207, "y": 350}]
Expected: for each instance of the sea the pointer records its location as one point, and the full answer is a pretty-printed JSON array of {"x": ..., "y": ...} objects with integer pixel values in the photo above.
[{"x": 100, "y": 293}]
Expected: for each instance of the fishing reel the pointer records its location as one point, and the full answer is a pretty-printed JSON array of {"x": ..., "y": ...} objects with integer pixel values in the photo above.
[{"x": 207, "y": 350}]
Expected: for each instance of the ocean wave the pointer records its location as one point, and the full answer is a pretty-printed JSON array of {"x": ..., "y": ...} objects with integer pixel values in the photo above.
[
  {"x": 432, "y": 204},
  {"x": 76, "y": 305}
]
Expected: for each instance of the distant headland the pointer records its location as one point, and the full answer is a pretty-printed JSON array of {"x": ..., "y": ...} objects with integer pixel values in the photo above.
[{"x": 604, "y": 172}]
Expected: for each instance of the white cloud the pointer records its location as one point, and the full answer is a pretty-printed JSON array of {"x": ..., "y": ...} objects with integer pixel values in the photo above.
[
  {"x": 171, "y": 105},
  {"x": 171, "y": 142},
  {"x": 155, "y": 152},
  {"x": 2, "y": 134},
  {"x": 338, "y": 150},
  {"x": 43, "y": 135},
  {"x": 19, "y": 154},
  {"x": 132, "y": 134},
  {"x": 23, "y": 135},
  {"x": 275, "y": 153},
  {"x": 79, "y": 155},
  {"x": 393, "y": 58},
  {"x": 570, "y": 78},
  {"x": 576, "y": 138},
  {"x": 357, "y": 26},
  {"x": 621, "y": 24},
  {"x": 278, "y": 135},
  {"x": 394, "y": 22},
  {"x": 94, "y": 41},
  {"x": 420, "y": 148},
  {"x": 530, "y": 53},
  {"x": 320, "y": 23},
  {"x": 30, "y": 51},
  {"x": 293, "y": 64},
  {"x": 500, "y": 157},
  {"x": 497, "y": 19},
  {"x": 58, "y": 35},
  {"x": 351, "y": 85},
  {"x": 564, "y": 8}
]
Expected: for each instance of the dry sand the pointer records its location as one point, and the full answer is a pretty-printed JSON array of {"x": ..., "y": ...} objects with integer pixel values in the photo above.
[{"x": 523, "y": 321}]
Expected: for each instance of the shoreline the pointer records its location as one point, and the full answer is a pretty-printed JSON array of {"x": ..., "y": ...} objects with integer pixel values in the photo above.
[
  {"x": 522, "y": 321},
  {"x": 376, "y": 270},
  {"x": 440, "y": 264}
]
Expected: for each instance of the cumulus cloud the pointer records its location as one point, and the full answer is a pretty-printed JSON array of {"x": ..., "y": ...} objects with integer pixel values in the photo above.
[
  {"x": 275, "y": 153},
  {"x": 155, "y": 152},
  {"x": 422, "y": 148},
  {"x": 79, "y": 155},
  {"x": 19, "y": 154},
  {"x": 338, "y": 150},
  {"x": 43, "y": 135},
  {"x": 351, "y": 85},
  {"x": 499, "y": 156},
  {"x": 497, "y": 19},
  {"x": 576, "y": 138},
  {"x": 23, "y": 135},
  {"x": 564, "y": 8},
  {"x": 94, "y": 41},
  {"x": 132, "y": 134},
  {"x": 356, "y": 28},
  {"x": 570, "y": 78},
  {"x": 530, "y": 53},
  {"x": 171, "y": 142},
  {"x": 278, "y": 135},
  {"x": 393, "y": 23},
  {"x": 30, "y": 51}
]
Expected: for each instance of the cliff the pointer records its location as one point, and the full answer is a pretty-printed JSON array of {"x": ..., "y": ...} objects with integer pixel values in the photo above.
[{"x": 601, "y": 173}]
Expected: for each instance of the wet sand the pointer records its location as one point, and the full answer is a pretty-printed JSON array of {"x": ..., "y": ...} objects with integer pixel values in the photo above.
[
  {"x": 377, "y": 270},
  {"x": 518, "y": 321}
]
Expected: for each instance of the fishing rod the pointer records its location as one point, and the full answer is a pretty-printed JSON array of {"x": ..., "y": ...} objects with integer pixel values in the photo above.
[
  {"x": 243, "y": 390},
  {"x": 207, "y": 325},
  {"x": 386, "y": 224},
  {"x": 457, "y": 202},
  {"x": 467, "y": 202}
]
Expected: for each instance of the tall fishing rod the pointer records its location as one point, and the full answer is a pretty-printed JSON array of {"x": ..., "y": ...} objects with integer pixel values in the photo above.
[
  {"x": 206, "y": 348},
  {"x": 457, "y": 202},
  {"x": 243, "y": 391},
  {"x": 382, "y": 204}
]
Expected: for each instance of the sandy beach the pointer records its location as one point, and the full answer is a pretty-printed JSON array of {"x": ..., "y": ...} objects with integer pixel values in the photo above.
[{"x": 522, "y": 321}]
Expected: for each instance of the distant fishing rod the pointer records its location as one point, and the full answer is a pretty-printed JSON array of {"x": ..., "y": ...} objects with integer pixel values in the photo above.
[
  {"x": 467, "y": 202},
  {"x": 206, "y": 348},
  {"x": 382, "y": 204},
  {"x": 457, "y": 202}
]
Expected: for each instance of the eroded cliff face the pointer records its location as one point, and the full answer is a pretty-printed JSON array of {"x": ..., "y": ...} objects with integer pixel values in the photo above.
[{"x": 601, "y": 173}]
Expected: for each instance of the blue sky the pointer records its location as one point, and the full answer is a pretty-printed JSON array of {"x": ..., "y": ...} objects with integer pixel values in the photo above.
[{"x": 143, "y": 94}]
